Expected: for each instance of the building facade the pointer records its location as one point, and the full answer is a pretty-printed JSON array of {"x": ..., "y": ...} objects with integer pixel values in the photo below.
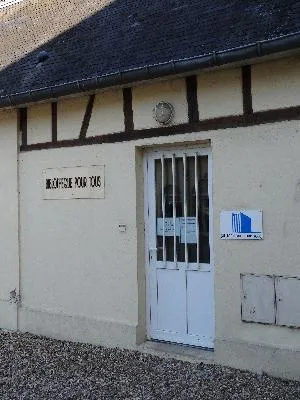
[{"x": 111, "y": 220}]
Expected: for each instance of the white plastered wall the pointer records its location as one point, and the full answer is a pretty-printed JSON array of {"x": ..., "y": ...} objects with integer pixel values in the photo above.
[
  {"x": 257, "y": 168},
  {"x": 145, "y": 98},
  {"x": 9, "y": 251},
  {"x": 276, "y": 84},
  {"x": 70, "y": 266},
  {"x": 220, "y": 93},
  {"x": 70, "y": 114},
  {"x": 107, "y": 116},
  {"x": 39, "y": 128}
]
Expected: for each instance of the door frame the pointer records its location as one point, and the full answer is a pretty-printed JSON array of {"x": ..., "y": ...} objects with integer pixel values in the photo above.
[{"x": 166, "y": 148}]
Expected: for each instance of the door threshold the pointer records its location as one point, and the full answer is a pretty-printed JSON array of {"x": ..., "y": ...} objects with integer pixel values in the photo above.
[{"x": 179, "y": 351}]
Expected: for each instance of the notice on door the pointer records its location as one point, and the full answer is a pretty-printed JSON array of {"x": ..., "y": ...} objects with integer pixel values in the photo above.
[
  {"x": 185, "y": 228},
  {"x": 188, "y": 232},
  {"x": 168, "y": 228},
  {"x": 73, "y": 183}
]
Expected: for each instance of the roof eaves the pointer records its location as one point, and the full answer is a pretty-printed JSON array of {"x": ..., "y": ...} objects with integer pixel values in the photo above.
[{"x": 172, "y": 67}]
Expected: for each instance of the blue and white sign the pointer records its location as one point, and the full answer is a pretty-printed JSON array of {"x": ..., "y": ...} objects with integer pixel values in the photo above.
[{"x": 241, "y": 224}]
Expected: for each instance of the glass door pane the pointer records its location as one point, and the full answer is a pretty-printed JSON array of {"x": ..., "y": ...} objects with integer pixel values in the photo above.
[{"x": 171, "y": 227}]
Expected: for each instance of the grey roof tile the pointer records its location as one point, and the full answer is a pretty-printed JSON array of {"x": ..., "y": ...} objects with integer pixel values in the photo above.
[{"x": 108, "y": 36}]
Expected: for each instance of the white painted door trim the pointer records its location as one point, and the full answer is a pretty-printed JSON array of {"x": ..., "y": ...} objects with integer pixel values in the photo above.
[{"x": 200, "y": 151}]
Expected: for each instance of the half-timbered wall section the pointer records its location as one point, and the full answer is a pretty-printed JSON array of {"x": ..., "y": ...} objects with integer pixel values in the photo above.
[{"x": 246, "y": 96}]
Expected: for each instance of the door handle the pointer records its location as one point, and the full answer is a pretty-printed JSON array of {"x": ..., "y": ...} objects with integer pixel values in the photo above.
[{"x": 152, "y": 251}]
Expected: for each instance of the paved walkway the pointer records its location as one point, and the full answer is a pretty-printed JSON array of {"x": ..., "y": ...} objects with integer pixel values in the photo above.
[{"x": 34, "y": 367}]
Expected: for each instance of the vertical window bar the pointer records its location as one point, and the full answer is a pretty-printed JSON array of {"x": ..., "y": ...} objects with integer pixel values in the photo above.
[
  {"x": 185, "y": 210},
  {"x": 163, "y": 207},
  {"x": 174, "y": 208},
  {"x": 197, "y": 205}
]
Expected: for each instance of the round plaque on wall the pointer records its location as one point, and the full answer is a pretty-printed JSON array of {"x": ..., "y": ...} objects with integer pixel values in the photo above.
[{"x": 163, "y": 112}]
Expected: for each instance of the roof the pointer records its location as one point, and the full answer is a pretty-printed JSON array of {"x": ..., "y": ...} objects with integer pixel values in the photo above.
[{"x": 100, "y": 38}]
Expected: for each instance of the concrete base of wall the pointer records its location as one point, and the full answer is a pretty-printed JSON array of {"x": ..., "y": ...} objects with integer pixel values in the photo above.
[
  {"x": 8, "y": 315},
  {"x": 180, "y": 352},
  {"x": 283, "y": 363},
  {"x": 77, "y": 328}
]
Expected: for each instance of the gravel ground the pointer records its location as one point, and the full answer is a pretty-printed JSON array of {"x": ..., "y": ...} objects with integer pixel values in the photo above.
[{"x": 33, "y": 367}]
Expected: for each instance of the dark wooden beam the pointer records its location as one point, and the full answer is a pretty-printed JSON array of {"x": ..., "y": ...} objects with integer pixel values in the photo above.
[
  {"x": 247, "y": 91},
  {"x": 23, "y": 125},
  {"x": 87, "y": 117},
  {"x": 54, "y": 121},
  {"x": 127, "y": 108},
  {"x": 192, "y": 99}
]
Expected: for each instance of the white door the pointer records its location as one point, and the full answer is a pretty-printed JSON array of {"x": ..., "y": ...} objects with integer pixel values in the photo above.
[{"x": 179, "y": 259}]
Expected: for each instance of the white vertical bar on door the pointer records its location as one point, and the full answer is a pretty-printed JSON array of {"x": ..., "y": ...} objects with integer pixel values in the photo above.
[
  {"x": 185, "y": 210},
  {"x": 163, "y": 209},
  {"x": 174, "y": 208},
  {"x": 197, "y": 205}
]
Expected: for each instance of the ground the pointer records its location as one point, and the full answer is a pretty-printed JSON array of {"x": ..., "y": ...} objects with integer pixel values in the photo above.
[{"x": 33, "y": 367}]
